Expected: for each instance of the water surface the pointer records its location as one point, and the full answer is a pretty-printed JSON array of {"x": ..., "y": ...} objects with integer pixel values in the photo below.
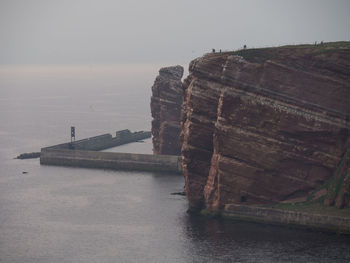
[{"x": 58, "y": 214}]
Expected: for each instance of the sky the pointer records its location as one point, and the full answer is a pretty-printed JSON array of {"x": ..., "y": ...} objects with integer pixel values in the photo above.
[{"x": 159, "y": 31}]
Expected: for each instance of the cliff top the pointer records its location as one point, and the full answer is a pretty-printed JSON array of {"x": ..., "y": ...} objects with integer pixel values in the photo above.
[
  {"x": 311, "y": 76},
  {"x": 260, "y": 55},
  {"x": 175, "y": 72}
]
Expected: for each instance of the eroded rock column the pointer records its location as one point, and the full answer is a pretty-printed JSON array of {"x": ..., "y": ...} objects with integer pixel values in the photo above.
[{"x": 166, "y": 104}]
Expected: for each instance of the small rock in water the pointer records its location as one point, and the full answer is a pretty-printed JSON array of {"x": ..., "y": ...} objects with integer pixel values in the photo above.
[
  {"x": 24, "y": 172},
  {"x": 178, "y": 193},
  {"x": 28, "y": 155}
]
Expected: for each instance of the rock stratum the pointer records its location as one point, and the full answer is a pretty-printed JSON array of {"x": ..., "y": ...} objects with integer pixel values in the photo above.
[
  {"x": 166, "y": 104},
  {"x": 264, "y": 126}
]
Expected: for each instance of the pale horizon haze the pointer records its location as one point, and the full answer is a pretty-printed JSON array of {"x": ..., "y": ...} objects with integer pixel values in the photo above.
[
  {"x": 92, "y": 64},
  {"x": 159, "y": 31}
]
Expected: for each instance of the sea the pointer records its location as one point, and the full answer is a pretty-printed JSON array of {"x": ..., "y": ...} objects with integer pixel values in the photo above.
[{"x": 55, "y": 214}]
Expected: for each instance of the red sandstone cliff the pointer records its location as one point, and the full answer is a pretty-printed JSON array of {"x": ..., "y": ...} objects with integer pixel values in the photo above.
[
  {"x": 166, "y": 104},
  {"x": 267, "y": 125}
]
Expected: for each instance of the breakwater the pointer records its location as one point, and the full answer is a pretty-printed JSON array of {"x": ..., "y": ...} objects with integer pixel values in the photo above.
[
  {"x": 31, "y": 155},
  {"x": 111, "y": 160},
  {"x": 96, "y": 143},
  {"x": 85, "y": 153},
  {"x": 287, "y": 217},
  {"x": 104, "y": 141}
]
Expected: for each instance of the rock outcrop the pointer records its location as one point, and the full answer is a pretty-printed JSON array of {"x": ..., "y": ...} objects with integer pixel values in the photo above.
[
  {"x": 267, "y": 126},
  {"x": 166, "y": 104}
]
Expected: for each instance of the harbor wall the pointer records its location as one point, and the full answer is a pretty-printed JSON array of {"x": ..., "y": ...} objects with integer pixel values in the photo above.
[
  {"x": 286, "y": 217},
  {"x": 104, "y": 141},
  {"x": 111, "y": 160}
]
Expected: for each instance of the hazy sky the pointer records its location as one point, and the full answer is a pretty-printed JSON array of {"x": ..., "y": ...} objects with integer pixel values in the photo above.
[{"x": 157, "y": 31}]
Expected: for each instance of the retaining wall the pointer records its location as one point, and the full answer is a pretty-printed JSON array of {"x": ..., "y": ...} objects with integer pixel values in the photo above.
[
  {"x": 111, "y": 160},
  {"x": 104, "y": 141},
  {"x": 284, "y": 217}
]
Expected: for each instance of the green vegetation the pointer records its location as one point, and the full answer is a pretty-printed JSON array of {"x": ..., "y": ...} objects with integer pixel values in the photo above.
[
  {"x": 210, "y": 213},
  {"x": 256, "y": 55},
  {"x": 333, "y": 186},
  {"x": 336, "y": 182},
  {"x": 325, "y": 45}
]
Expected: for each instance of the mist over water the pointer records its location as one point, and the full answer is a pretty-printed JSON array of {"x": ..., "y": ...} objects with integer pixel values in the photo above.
[
  {"x": 38, "y": 104},
  {"x": 58, "y": 214}
]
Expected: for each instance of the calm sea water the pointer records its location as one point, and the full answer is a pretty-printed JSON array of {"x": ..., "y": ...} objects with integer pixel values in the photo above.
[{"x": 57, "y": 214}]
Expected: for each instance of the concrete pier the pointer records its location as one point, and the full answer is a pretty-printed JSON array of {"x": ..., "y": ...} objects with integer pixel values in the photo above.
[
  {"x": 85, "y": 153},
  {"x": 111, "y": 160},
  {"x": 284, "y": 217},
  {"x": 104, "y": 141},
  {"x": 96, "y": 143}
]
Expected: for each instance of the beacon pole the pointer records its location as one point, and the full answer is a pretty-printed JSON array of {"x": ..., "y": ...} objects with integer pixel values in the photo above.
[{"x": 72, "y": 134}]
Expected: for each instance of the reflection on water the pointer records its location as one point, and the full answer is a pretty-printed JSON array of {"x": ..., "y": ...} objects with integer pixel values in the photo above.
[
  {"x": 233, "y": 241},
  {"x": 57, "y": 214}
]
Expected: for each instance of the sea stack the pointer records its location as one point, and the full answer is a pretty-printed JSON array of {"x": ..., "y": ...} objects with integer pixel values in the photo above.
[{"x": 166, "y": 104}]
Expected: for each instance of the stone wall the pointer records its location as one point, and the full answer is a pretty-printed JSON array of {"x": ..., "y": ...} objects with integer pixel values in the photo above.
[
  {"x": 104, "y": 141},
  {"x": 284, "y": 217},
  {"x": 111, "y": 160}
]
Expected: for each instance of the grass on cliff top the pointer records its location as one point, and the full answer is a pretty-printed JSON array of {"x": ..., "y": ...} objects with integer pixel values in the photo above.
[
  {"x": 325, "y": 45},
  {"x": 314, "y": 208},
  {"x": 260, "y": 55}
]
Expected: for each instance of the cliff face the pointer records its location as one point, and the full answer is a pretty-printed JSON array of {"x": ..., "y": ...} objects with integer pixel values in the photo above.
[
  {"x": 267, "y": 126},
  {"x": 166, "y": 103}
]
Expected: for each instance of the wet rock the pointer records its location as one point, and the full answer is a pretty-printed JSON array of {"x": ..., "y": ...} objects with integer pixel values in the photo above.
[{"x": 29, "y": 155}]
